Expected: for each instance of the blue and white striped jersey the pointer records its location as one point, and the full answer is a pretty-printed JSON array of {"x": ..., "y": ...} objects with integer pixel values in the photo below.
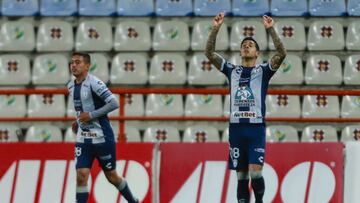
[
  {"x": 248, "y": 88},
  {"x": 88, "y": 96}
]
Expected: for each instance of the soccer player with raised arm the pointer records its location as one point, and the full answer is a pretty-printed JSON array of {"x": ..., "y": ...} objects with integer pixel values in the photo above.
[
  {"x": 94, "y": 134},
  {"x": 248, "y": 87}
]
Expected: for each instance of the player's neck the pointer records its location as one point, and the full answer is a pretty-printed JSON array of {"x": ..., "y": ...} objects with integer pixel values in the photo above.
[
  {"x": 80, "y": 78},
  {"x": 248, "y": 62}
]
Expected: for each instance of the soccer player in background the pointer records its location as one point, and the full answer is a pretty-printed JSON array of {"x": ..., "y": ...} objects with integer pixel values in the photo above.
[
  {"x": 248, "y": 87},
  {"x": 94, "y": 134}
]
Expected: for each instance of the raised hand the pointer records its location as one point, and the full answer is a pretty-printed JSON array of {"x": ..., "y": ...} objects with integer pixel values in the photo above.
[
  {"x": 218, "y": 19},
  {"x": 268, "y": 21}
]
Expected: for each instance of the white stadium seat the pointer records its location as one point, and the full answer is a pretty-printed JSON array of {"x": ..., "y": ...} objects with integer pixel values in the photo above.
[
  {"x": 161, "y": 133},
  {"x": 281, "y": 133},
  {"x": 14, "y": 69},
  {"x": 353, "y": 36},
  {"x": 99, "y": 66},
  {"x": 43, "y": 133},
  {"x": 69, "y": 135},
  {"x": 283, "y": 106},
  {"x": 242, "y": 29},
  {"x": 291, "y": 33},
  {"x": 290, "y": 72},
  {"x": 171, "y": 36},
  {"x": 323, "y": 70},
  {"x": 226, "y": 109},
  {"x": 17, "y": 36},
  {"x": 129, "y": 68},
  {"x": 134, "y": 105},
  {"x": 201, "y": 32},
  {"x": 9, "y": 132},
  {"x": 320, "y": 106},
  {"x": 203, "y": 105},
  {"x": 350, "y": 107},
  {"x": 319, "y": 133},
  {"x": 132, "y": 134},
  {"x": 54, "y": 35},
  {"x": 164, "y": 105},
  {"x": 46, "y": 105},
  {"x": 94, "y": 35},
  {"x": 201, "y": 133},
  {"x": 351, "y": 133},
  {"x": 225, "y": 135},
  {"x": 50, "y": 69},
  {"x": 352, "y": 70},
  {"x": 12, "y": 106},
  {"x": 167, "y": 69},
  {"x": 132, "y": 36},
  {"x": 325, "y": 35}
]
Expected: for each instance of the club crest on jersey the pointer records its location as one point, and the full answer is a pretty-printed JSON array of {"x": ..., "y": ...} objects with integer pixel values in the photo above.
[{"x": 244, "y": 97}]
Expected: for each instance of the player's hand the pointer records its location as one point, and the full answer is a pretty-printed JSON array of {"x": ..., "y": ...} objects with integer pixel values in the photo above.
[
  {"x": 218, "y": 19},
  {"x": 268, "y": 21},
  {"x": 84, "y": 117},
  {"x": 74, "y": 127}
]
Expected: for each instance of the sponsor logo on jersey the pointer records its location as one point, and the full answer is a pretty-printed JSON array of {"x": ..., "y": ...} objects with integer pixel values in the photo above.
[{"x": 244, "y": 114}]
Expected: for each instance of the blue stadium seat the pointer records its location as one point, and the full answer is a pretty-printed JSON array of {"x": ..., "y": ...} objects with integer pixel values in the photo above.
[
  {"x": 211, "y": 7},
  {"x": 289, "y": 8},
  {"x": 135, "y": 8},
  {"x": 250, "y": 7},
  {"x": 327, "y": 7},
  {"x": 353, "y": 7},
  {"x": 19, "y": 8},
  {"x": 97, "y": 8},
  {"x": 58, "y": 8},
  {"x": 174, "y": 8}
]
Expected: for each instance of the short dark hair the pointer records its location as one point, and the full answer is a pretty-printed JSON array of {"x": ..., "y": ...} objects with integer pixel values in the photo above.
[
  {"x": 85, "y": 56},
  {"x": 251, "y": 39}
]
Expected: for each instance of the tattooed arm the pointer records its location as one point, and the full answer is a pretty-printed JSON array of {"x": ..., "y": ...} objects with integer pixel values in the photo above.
[
  {"x": 280, "y": 54},
  {"x": 210, "y": 53}
]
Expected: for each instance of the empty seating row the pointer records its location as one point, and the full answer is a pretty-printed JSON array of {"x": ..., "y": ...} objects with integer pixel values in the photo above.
[
  {"x": 172, "y": 69},
  {"x": 172, "y": 35},
  {"x": 320, "y": 106},
  {"x": 180, "y": 7},
  {"x": 194, "y": 133}
]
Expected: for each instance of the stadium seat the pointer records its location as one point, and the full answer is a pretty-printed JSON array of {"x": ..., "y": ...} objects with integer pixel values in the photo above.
[
  {"x": 290, "y": 72},
  {"x": 132, "y": 36},
  {"x": 319, "y": 133},
  {"x": 135, "y": 7},
  {"x": 225, "y": 135},
  {"x": 289, "y": 8},
  {"x": 201, "y": 133},
  {"x": 350, "y": 133},
  {"x": 236, "y": 59},
  {"x": 226, "y": 105},
  {"x": 327, "y": 7},
  {"x": 352, "y": 70},
  {"x": 161, "y": 133},
  {"x": 99, "y": 66},
  {"x": 281, "y": 133},
  {"x": 353, "y": 36},
  {"x": 69, "y": 135},
  {"x": 325, "y": 35},
  {"x": 201, "y": 32},
  {"x": 323, "y": 70},
  {"x": 50, "y": 69},
  {"x": 211, "y": 7},
  {"x": 70, "y": 111},
  {"x": 95, "y": 35},
  {"x": 132, "y": 134},
  {"x": 320, "y": 106},
  {"x": 129, "y": 68},
  {"x": 17, "y": 36},
  {"x": 173, "y": 8},
  {"x": 292, "y": 35},
  {"x": 167, "y": 69},
  {"x": 58, "y": 8},
  {"x": 55, "y": 36},
  {"x": 43, "y": 133},
  {"x": 350, "y": 107},
  {"x": 19, "y": 8},
  {"x": 353, "y": 7},
  {"x": 14, "y": 69},
  {"x": 283, "y": 106},
  {"x": 250, "y": 8},
  {"x": 9, "y": 132},
  {"x": 242, "y": 29},
  {"x": 46, "y": 105},
  {"x": 203, "y": 105},
  {"x": 202, "y": 72},
  {"x": 97, "y": 8},
  {"x": 164, "y": 105},
  {"x": 134, "y": 105},
  {"x": 171, "y": 35},
  {"x": 12, "y": 106}
]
